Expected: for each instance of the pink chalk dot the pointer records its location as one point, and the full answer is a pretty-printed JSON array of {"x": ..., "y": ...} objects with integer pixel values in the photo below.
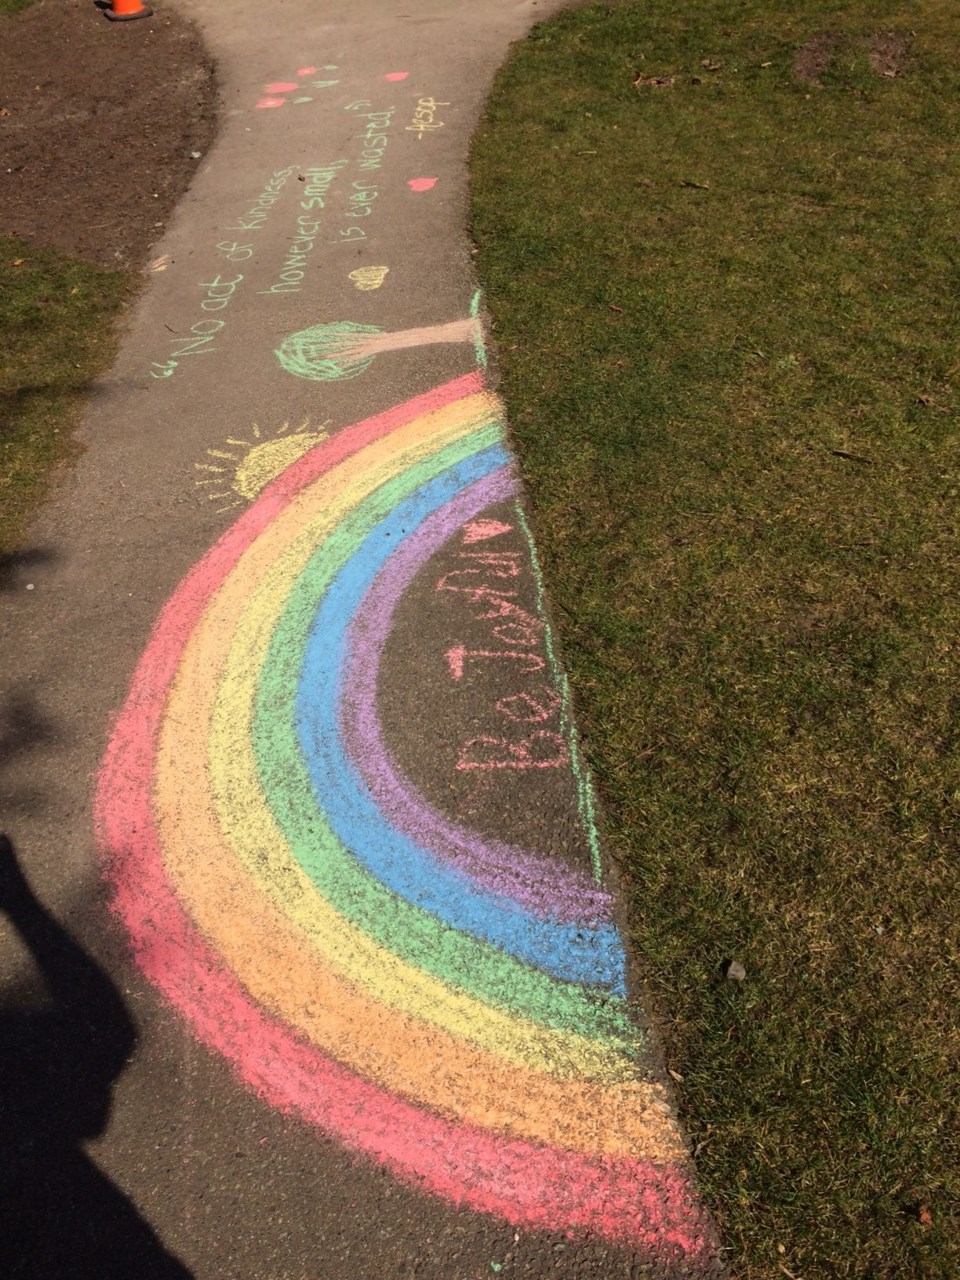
[
  {"x": 421, "y": 184},
  {"x": 265, "y": 103},
  {"x": 306, "y": 71},
  {"x": 396, "y": 75},
  {"x": 281, "y": 86}
]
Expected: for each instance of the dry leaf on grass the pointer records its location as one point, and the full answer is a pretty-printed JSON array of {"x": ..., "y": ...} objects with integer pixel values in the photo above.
[{"x": 654, "y": 82}]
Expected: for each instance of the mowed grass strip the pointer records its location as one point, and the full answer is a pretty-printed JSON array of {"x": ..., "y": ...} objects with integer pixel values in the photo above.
[
  {"x": 726, "y": 301},
  {"x": 57, "y": 332}
]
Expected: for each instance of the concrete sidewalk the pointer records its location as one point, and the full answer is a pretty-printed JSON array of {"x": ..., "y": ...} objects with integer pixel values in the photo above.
[{"x": 298, "y": 768}]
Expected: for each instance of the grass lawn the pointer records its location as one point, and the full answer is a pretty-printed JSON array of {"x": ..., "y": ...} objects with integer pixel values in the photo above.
[
  {"x": 727, "y": 300},
  {"x": 57, "y": 333}
]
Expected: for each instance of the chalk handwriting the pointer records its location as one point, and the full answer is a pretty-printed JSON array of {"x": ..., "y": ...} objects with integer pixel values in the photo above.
[
  {"x": 458, "y": 655},
  {"x": 361, "y": 199},
  {"x": 318, "y": 179},
  {"x": 481, "y": 581},
  {"x": 204, "y": 332},
  {"x": 541, "y": 750},
  {"x": 234, "y": 252},
  {"x": 255, "y": 218},
  {"x": 425, "y": 117},
  {"x": 502, "y": 604},
  {"x": 219, "y": 293},
  {"x": 349, "y": 234},
  {"x": 530, "y": 708},
  {"x": 373, "y": 138}
]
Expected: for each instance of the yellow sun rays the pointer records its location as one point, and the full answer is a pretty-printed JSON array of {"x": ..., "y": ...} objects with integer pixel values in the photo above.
[{"x": 237, "y": 477}]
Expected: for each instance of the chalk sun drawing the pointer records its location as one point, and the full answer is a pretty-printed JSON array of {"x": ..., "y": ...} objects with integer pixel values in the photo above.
[
  {"x": 233, "y": 477},
  {"x": 449, "y": 1005}
]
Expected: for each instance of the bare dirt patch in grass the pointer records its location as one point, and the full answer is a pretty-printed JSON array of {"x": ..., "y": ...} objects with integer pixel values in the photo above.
[
  {"x": 100, "y": 125},
  {"x": 888, "y": 52},
  {"x": 814, "y": 56}
]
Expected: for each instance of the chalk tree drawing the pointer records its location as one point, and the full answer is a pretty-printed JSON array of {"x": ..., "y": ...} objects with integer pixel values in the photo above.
[
  {"x": 329, "y": 352},
  {"x": 450, "y": 1005}
]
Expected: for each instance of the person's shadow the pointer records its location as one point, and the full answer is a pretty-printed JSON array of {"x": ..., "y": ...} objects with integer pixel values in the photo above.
[{"x": 60, "y": 1217}]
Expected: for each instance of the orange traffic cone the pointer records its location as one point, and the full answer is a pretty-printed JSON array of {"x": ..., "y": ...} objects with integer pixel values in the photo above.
[{"x": 125, "y": 10}]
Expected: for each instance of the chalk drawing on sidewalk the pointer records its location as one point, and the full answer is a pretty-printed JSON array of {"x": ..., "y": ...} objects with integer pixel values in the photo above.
[
  {"x": 368, "y": 278},
  {"x": 483, "y": 576},
  {"x": 543, "y": 749},
  {"x": 425, "y": 117},
  {"x": 481, "y": 530},
  {"x": 239, "y": 473},
  {"x": 343, "y": 349},
  {"x": 396, "y": 76},
  {"x": 452, "y": 1006},
  {"x": 277, "y": 93},
  {"x": 421, "y": 184}
]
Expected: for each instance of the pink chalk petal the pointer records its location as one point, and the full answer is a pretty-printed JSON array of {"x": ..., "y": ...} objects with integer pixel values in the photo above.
[
  {"x": 281, "y": 86},
  {"x": 306, "y": 71},
  {"x": 421, "y": 184},
  {"x": 264, "y": 103},
  {"x": 397, "y": 75}
]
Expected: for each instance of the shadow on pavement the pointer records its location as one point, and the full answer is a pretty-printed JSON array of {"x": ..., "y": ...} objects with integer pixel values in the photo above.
[
  {"x": 23, "y": 727},
  {"x": 14, "y": 565},
  {"x": 60, "y": 1217}
]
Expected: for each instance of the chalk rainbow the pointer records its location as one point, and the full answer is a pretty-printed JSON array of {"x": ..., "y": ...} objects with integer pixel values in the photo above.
[{"x": 450, "y": 1005}]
